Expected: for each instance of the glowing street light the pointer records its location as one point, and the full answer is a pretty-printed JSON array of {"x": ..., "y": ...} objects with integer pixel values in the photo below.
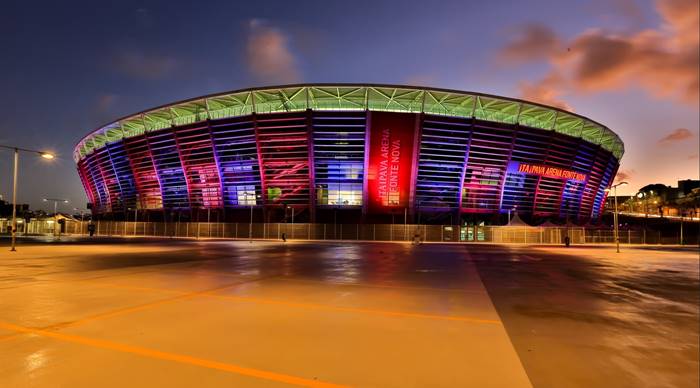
[
  {"x": 16, "y": 150},
  {"x": 617, "y": 233}
]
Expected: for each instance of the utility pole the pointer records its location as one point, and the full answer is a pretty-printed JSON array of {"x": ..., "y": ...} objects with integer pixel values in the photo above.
[
  {"x": 55, "y": 214},
  {"x": 16, "y": 150},
  {"x": 616, "y": 232}
]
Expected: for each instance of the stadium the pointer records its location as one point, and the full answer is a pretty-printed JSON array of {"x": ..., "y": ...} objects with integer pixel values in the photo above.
[{"x": 360, "y": 153}]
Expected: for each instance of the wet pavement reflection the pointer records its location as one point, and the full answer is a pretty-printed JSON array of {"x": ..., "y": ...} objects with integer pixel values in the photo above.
[{"x": 578, "y": 317}]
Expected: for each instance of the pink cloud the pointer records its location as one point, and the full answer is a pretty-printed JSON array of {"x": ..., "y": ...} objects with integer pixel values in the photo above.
[
  {"x": 624, "y": 175},
  {"x": 546, "y": 91},
  {"x": 269, "y": 56},
  {"x": 679, "y": 134},
  {"x": 532, "y": 42},
  {"x": 662, "y": 61}
]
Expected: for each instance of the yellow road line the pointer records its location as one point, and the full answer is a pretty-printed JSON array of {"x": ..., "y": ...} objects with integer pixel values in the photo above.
[
  {"x": 354, "y": 309},
  {"x": 212, "y": 294},
  {"x": 130, "y": 309},
  {"x": 175, "y": 357},
  {"x": 316, "y": 306},
  {"x": 43, "y": 281}
]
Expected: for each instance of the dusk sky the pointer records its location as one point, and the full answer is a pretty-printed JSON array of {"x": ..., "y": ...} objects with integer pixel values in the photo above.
[{"x": 67, "y": 68}]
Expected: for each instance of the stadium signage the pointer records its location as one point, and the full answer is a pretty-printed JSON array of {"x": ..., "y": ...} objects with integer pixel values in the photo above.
[
  {"x": 551, "y": 172},
  {"x": 390, "y": 159},
  {"x": 389, "y": 166}
]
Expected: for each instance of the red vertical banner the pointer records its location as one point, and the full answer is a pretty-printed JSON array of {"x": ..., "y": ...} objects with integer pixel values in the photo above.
[{"x": 390, "y": 160}]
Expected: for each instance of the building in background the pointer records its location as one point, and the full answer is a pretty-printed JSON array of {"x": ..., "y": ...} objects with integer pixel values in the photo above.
[
  {"x": 350, "y": 153},
  {"x": 661, "y": 200},
  {"x": 6, "y": 208}
]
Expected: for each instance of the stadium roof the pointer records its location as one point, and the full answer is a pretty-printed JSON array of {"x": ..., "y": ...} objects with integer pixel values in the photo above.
[{"x": 353, "y": 97}]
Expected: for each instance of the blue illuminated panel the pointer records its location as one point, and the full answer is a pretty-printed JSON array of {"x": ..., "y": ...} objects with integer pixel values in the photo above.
[
  {"x": 236, "y": 150},
  {"x": 339, "y": 151},
  {"x": 169, "y": 169}
]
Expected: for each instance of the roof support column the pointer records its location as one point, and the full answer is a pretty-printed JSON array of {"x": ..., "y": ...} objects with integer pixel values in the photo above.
[
  {"x": 365, "y": 194},
  {"x": 312, "y": 166},
  {"x": 417, "y": 133},
  {"x": 460, "y": 191},
  {"x": 261, "y": 167}
]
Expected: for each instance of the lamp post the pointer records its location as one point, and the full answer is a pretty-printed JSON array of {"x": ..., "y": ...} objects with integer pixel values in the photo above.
[
  {"x": 255, "y": 202},
  {"x": 82, "y": 219},
  {"x": 681, "y": 236},
  {"x": 515, "y": 209},
  {"x": 55, "y": 212},
  {"x": 617, "y": 233},
  {"x": 16, "y": 150},
  {"x": 81, "y": 211}
]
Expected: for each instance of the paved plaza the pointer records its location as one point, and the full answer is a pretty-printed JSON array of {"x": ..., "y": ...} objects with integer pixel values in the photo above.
[{"x": 182, "y": 313}]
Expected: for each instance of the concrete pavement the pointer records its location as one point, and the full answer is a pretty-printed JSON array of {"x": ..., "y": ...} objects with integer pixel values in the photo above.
[
  {"x": 155, "y": 312},
  {"x": 241, "y": 314}
]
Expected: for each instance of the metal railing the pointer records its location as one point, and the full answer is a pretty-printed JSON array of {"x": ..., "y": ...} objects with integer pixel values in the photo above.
[{"x": 355, "y": 232}]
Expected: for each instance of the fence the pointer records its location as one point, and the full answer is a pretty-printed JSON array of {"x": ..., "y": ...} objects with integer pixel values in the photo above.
[{"x": 358, "y": 232}]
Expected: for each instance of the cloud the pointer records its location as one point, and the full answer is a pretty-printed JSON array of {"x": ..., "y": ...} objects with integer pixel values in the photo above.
[
  {"x": 679, "y": 134},
  {"x": 546, "y": 91},
  {"x": 693, "y": 156},
  {"x": 624, "y": 175},
  {"x": 269, "y": 56},
  {"x": 105, "y": 102},
  {"x": 662, "y": 61},
  {"x": 532, "y": 42},
  {"x": 628, "y": 12},
  {"x": 144, "y": 66}
]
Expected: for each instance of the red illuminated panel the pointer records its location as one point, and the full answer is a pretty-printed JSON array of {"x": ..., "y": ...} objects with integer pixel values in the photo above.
[
  {"x": 87, "y": 182},
  {"x": 551, "y": 172},
  {"x": 390, "y": 159}
]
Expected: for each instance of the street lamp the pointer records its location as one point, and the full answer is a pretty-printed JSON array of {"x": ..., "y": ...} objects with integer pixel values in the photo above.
[
  {"x": 617, "y": 233},
  {"x": 515, "y": 211},
  {"x": 55, "y": 212},
  {"x": 82, "y": 218},
  {"x": 253, "y": 203},
  {"x": 81, "y": 211},
  {"x": 16, "y": 150}
]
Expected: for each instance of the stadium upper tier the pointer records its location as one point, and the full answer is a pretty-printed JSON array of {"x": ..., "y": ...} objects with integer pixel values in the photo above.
[{"x": 348, "y": 97}]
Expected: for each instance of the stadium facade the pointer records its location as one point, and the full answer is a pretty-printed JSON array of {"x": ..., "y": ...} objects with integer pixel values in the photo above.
[{"x": 367, "y": 153}]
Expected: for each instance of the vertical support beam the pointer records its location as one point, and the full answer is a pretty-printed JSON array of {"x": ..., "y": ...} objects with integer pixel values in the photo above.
[
  {"x": 417, "y": 134},
  {"x": 155, "y": 170},
  {"x": 460, "y": 191},
  {"x": 505, "y": 172},
  {"x": 184, "y": 171},
  {"x": 566, "y": 182},
  {"x": 89, "y": 191},
  {"x": 96, "y": 157},
  {"x": 261, "y": 164},
  {"x": 603, "y": 183},
  {"x": 312, "y": 166},
  {"x": 365, "y": 194},
  {"x": 116, "y": 176},
  {"x": 215, "y": 153},
  {"x": 587, "y": 185},
  {"x": 539, "y": 178}
]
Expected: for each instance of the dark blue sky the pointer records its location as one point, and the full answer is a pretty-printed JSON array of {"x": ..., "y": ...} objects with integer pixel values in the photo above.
[{"x": 67, "y": 69}]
